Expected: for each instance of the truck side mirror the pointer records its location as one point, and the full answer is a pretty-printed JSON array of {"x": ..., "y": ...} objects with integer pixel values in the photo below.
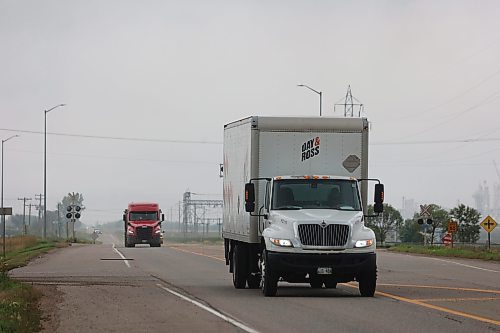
[
  {"x": 378, "y": 207},
  {"x": 249, "y": 197},
  {"x": 124, "y": 218},
  {"x": 163, "y": 217}
]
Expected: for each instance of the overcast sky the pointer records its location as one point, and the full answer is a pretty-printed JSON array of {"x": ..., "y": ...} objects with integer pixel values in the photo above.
[{"x": 426, "y": 71}]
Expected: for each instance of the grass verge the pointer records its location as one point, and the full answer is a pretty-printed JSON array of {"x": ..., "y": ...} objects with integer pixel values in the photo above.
[
  {"x": 19, "y": 311},
  {"x": 458, "y": 251}
]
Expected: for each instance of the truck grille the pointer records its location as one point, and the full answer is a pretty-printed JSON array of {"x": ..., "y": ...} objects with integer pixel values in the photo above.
[
  {"x": 144, "y": 233},
  {"x": 316, "y": 235}
]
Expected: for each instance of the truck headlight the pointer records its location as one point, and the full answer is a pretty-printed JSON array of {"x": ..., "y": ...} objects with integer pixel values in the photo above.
[
  {"x": 281, "y": 242},
  {"x": 364, "y": 243},
  {"x": 131, "y": 232}
]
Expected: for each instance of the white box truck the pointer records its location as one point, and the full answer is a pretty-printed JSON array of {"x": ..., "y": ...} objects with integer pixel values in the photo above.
[{"x": 295, "y": 201}]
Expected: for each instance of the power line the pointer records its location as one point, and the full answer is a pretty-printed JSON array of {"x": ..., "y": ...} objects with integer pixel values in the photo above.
[
  {"x": 113, "y": 137},
  {"x": 386, "y": 143},
  {"x": 462, "y": 93}
]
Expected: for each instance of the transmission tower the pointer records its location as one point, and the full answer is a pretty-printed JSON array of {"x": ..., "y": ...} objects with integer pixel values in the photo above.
[
  {"x": 195, "y": 212},
  {"x": 351, "y": 104}
]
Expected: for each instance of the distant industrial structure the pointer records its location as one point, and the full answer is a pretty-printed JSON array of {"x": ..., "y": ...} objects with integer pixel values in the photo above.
[{"x": 200, "y": 215}]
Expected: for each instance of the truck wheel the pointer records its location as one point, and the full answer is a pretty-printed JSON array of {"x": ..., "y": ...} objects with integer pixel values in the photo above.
[
  {"x": 269, "y": 279},
  {"x": 368, "y": 283},
  {"x": 240, "y": 266}
]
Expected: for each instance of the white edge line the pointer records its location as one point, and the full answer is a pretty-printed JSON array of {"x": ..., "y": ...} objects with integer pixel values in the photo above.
[
  {"x": 212, "y": 311},
  {"x": 465, "y": 265},
  {"x": 121, "y": 255}
]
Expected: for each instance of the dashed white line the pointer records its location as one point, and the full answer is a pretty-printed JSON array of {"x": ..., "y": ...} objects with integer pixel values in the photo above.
[
  {"x": 212, "y": 311},
  {"x": 121, "y": 255}
]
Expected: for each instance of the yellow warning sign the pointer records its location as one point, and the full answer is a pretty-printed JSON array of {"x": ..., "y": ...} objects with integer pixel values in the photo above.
[{"x": 488, "y": 224}]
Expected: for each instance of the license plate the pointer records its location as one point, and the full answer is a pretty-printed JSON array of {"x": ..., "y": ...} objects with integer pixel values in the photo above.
[{"x": 324, "y": 270}]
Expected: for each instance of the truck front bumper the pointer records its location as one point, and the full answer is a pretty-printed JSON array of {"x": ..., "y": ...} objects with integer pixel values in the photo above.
[
  {"x": 342, "y": 264},
  {"x": 152, "y": 240}
]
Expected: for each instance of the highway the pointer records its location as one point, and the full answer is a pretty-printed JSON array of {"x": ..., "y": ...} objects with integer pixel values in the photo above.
[{"x": 187, "y": 288}]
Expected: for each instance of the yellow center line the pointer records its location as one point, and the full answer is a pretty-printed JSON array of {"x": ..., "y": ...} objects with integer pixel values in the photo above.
[
  {"x": 431, "y": 306},
  {"x": 197, "y": 253},
  {"x": 457, "y": 299},
  {"x": 439, "y": 287}
]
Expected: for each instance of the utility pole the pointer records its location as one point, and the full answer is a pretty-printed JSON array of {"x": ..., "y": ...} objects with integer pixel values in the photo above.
[
  {"x": 58, "y": 220},
  {"x": 179, "y": 216},
  {"x": 40, "y": 198},
  {"x": 29, "y": 215},
  {"x": 24, "y": 213}
]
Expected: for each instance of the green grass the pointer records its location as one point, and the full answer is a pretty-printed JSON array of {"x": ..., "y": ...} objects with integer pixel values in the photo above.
[
  {"x": 19, "y": 258},
  {"x": 19, "y": 310},
  {"x": 457, "y": 251}
]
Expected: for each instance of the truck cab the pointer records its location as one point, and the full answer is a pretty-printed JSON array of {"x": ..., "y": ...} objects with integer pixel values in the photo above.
[
  {"x": 143, "y": 224},
  {"x": 313, "y": 231}
]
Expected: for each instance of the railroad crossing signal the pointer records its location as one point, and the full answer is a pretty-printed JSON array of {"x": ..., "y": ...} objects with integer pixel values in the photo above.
[
  {"x": 488, "y": 224},
  {"x": 73, "y": 212},
  {"x": 425, "y": 210}
]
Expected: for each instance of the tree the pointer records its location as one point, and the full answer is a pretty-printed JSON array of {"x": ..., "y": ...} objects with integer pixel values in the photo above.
[
  {"x": 468, "y": 223},
  {"x": 410, "y": 232},
  {"x": 439, "y": 217},
  {"x": 390, "y": 219}
]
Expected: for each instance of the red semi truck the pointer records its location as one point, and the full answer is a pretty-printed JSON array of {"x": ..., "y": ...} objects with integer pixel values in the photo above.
[{"x": 143, "y": 224}]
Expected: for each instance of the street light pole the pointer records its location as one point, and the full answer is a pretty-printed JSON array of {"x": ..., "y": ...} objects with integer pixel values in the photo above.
[
  {"x": 3, "y": 215},
  {"x": 45, "y": 171},
  {"x": 317, "y": 92}
]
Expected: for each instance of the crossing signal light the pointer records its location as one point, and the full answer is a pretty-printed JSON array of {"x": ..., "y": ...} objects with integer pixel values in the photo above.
[{"x": 73, "y": 212}]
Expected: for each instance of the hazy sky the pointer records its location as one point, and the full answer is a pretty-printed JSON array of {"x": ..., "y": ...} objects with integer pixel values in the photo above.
[{"x": 426, "y": 71}]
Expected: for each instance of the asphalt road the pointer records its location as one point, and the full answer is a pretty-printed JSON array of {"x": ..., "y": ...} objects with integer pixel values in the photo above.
[{"x": 186, "y": 288}]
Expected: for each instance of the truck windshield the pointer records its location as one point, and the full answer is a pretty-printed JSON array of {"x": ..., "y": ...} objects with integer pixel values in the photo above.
[
  {"x": 341, "y": 194},
  {"x": 141, "y": 216}
]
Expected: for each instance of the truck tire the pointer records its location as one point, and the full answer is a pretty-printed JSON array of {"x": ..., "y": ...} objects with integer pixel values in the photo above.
[
  {"x": 253, "y": 281},
  {"x": 240, "y": 266},
  {"x": 368, "y": 282},
  {"x": 269, "y": 279}
]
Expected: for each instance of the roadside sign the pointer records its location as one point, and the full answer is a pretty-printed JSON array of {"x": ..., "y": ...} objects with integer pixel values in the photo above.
[
  {"x": 447, "y": 239},
  {"x": 488, "y": 224},
  {"x": 6, "y": 211},
  {"x": 452, "y": 226}
]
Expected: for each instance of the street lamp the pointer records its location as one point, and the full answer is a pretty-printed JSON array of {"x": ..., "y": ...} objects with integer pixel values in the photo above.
[
  {"x": 3, "y": 215},
  {"x": 317, "y": 92},
  {"x": 45, "y": 172}
]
